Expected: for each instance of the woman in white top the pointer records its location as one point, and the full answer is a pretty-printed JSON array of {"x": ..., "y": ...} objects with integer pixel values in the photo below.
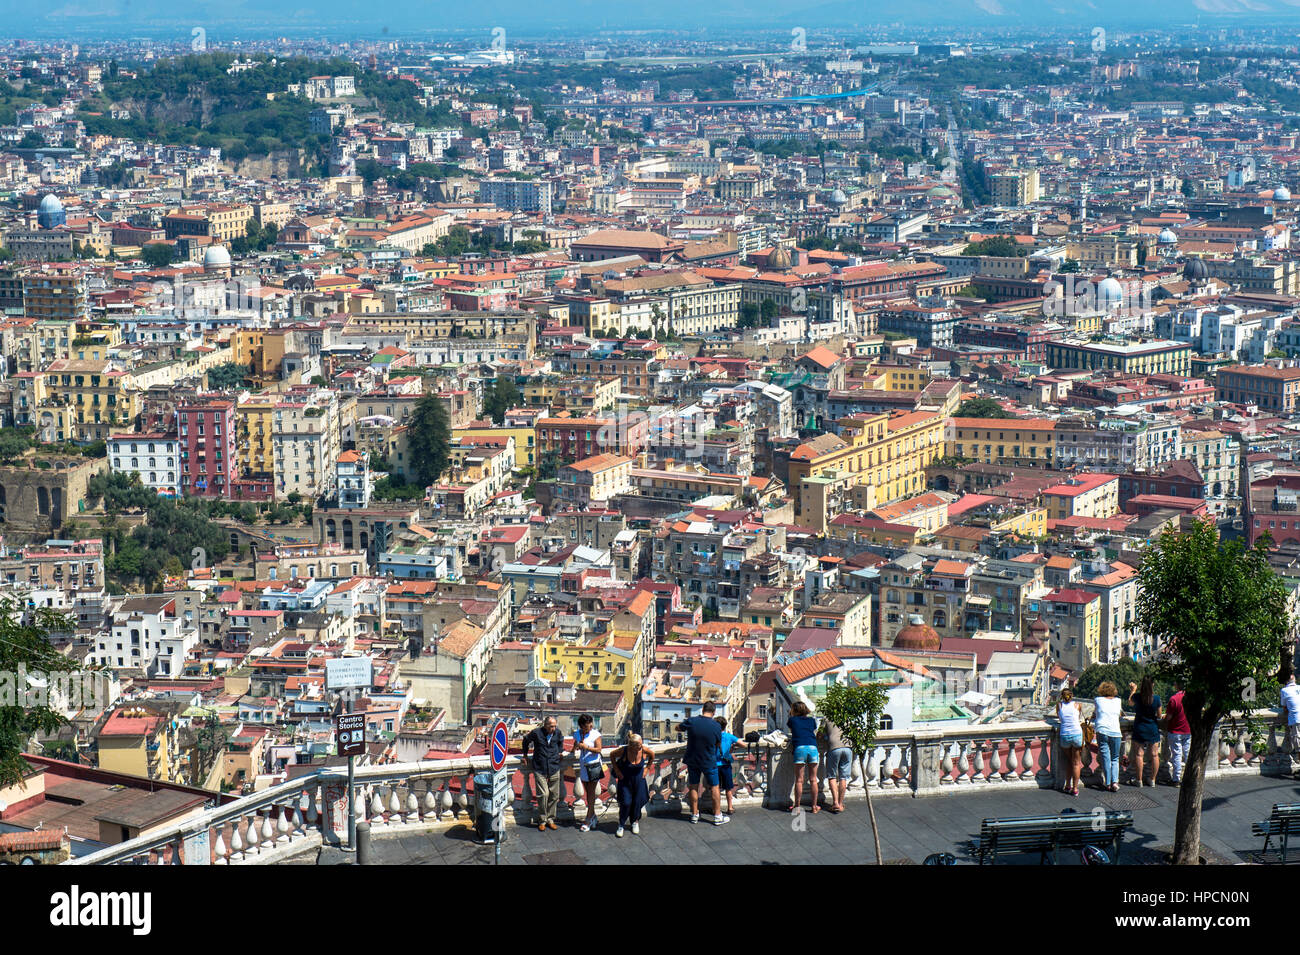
[
  {"x": 1109, "y": 735},
  {"x": 1070, "y": 732},
  {"x": 586, "y": 743}
]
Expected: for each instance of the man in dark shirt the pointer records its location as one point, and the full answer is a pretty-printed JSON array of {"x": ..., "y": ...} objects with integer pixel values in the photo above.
[
  {"x": 703, "y": 738},
  {"x": 547, "y": 747}
]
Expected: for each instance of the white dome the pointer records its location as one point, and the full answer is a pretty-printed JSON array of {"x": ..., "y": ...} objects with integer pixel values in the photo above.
[
  {"x": 1167, "y": 237},
  {"x": 1109, "y": 293},
  {"x": 1282, "y": 194},
  {"x": 216, "y": 257},
  {"x": 50, "y": 203}
]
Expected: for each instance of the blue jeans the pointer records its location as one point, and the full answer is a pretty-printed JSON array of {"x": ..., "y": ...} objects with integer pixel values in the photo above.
[{"x": 1108, "y": 746}]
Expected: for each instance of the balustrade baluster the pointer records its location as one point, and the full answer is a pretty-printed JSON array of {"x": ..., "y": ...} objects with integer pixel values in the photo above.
[
  {"x": 963, "y": 763},
  {"x": 430, "y": 804},
  {"x": 945, "y": 764},
  {"x": 978, "y": 775},
  {"x": 462, "y": 798}
]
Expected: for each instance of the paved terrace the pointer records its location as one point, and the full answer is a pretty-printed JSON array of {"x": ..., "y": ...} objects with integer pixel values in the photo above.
[
  {"x": 910, "y": 829},
  {"x": 933, "y": 789}
]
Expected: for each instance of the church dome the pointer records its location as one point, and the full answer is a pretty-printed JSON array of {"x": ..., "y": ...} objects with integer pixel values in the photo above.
[
  {"x": 1168, "y": 237},
  {"x": 1109, "y": 293},
  {"x": 1282, "y": 194},
  {"x": 50, "y": 212},
  {"x": 838, "y": 197},
  {"x": 1195, "y": 269},
  {"x": 780, "y": 259},
  {"x": 917, "y": 635},
  {"x": 216, "y": 258}
]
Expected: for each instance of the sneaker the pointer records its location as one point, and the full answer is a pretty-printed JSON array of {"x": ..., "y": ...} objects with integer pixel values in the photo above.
[
  {"x": 619, "y": 832},
  {"x": 584, "y": 828},
  {"x": 722, "y": 820},
  {"x": 636, "y": 828},
  {"x": 695, "y": 818}
]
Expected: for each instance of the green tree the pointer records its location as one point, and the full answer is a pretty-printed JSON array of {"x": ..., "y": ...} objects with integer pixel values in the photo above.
[
  {"x": 856, "y": 710},
  {"x": 1069, "y": 266},
  {"x": 228, "y": 376},
  {"x": 769, "y": 311},
  {"x": 982, "y": 408},
  {"x": 430, "y": 440},
  {"x": 998, "y": 245},
  {"x": 749, "y": 315},
  {"x": 1218, "y": 613},
  {"x": 27, "y": 646},
  {"x": 1121, "y": 673},
  {"x": 500, "y": 397},
  {"x": 158, "y": 255}
]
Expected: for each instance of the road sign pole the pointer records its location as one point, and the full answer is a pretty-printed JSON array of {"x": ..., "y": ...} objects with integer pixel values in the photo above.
[
  {"x": 352, "y": 793},
  {"x": 499, "y": 750}
]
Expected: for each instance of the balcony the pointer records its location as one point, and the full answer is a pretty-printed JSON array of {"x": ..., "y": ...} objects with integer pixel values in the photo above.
[{"x": 976, "y": 763}]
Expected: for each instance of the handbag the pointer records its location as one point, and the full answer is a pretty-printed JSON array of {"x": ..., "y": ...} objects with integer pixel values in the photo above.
[
  {"x": 1088, "y": 733},
  {"x": 595, "y": 770}
]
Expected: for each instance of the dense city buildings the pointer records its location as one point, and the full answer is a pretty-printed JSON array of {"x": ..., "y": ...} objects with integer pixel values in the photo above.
[{"x": 677, "y": 379}]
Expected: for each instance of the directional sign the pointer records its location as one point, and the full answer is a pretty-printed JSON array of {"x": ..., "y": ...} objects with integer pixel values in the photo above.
[
  {"x": 350, "y": 731},
  {"x": 500, "y": 744},
  {"x": 344, "y": 672}
]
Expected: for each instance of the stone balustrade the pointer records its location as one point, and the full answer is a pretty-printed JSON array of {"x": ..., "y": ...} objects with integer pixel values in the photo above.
[{"x": 298, "y": 814}]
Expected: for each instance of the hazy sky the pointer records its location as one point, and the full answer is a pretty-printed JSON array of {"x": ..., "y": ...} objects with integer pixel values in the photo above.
[{"x": 337, "y": 18}]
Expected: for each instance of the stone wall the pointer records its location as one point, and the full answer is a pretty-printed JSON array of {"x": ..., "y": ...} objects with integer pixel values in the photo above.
[{"x": 39, "y": 501}]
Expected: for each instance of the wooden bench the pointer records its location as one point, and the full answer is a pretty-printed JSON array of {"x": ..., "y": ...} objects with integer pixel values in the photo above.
[
  {"x": 1281, "y": 822},
  {"x": 1050, "y": 834}
]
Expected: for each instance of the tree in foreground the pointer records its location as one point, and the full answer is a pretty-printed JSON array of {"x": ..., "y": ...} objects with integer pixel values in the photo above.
[
  {"x": 1218, "y": 613},
  {"x": 856, "y": 710},
  {"x": 24, "y": 710},
  {"x": 430, "y": 440}
]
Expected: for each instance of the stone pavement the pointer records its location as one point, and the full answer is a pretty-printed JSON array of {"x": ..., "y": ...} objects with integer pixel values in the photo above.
[{"x": 910, "y": 829}]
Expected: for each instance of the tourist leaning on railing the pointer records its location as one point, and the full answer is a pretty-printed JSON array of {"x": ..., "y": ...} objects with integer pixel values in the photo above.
[
  {"x": 1070, "y": 715},
  {"x": 1180, "y": 733},
  {"x": 1109, "y": 737},
  {"x": 547, "y": 747}
]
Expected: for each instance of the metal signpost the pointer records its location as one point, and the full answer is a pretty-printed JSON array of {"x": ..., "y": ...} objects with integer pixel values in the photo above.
[
  {"x": 499, "y": 748},
  {"x": 350, "y": 674}
]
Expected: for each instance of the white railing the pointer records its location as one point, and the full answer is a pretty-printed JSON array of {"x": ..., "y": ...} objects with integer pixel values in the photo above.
[{"x": 298, "y": 814}]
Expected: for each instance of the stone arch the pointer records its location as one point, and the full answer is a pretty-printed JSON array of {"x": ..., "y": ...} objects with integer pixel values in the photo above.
[
  {"x": 331, "y": 530},
  {"x": 42, "y": 500},
  {"x": 56, "y": 507}
]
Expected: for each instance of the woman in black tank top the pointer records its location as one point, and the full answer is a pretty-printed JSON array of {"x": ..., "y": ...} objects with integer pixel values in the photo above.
[{"x": 629, "y": 764}]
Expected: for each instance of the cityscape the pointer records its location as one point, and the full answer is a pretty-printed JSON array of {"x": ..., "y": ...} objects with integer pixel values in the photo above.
[{"x": 650, "y": 437}]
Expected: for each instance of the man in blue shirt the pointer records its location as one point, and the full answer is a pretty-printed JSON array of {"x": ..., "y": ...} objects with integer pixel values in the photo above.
[{"x": 703, "y": 742}]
